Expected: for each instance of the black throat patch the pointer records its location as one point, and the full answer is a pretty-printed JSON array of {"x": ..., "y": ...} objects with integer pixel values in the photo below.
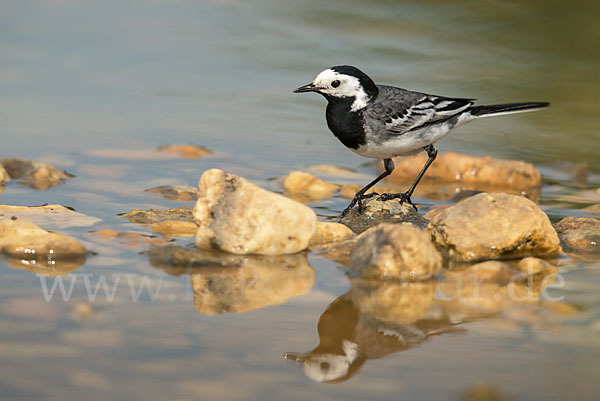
[{"x": 346, "y": 125}]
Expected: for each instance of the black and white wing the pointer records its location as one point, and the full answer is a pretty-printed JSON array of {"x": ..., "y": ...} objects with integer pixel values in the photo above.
[{"x": 398, "y": 111}]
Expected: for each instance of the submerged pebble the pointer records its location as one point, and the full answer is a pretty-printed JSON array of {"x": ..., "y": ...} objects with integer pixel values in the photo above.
[
  {"x": 399, "y": 251},
  {"x": 494, "y": 226},
  {"x": 579, "y": 233},
  {"x": 237, "y": 216},
  {"x": 34, "y": 174},
  {"x": 306, "y": 187},
  {"x": 185, "y": 151},
  {"x": 484, "y": 173}
]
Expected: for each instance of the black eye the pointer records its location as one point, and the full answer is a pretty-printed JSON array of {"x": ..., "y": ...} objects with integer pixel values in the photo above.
[{"x": 335, "y": 83}]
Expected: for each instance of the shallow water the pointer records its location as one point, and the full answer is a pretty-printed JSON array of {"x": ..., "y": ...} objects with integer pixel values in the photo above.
[{"x": 78, "y": 78}]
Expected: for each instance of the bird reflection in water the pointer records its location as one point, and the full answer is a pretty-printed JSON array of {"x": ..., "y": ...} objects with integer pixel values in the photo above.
[{"x": 378, "y": 318}]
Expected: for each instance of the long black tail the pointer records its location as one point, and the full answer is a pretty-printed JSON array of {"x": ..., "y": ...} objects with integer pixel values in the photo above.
[{"x": 499, "y": 109}]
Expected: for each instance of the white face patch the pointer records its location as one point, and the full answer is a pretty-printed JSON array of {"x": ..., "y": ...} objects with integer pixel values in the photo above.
[{"x": 349, "y": 87}]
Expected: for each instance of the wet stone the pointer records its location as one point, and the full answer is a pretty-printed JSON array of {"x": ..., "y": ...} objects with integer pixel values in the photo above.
[
  {"x": 494, "y": 226},
  {"x": 328, "y": 232},
  {"x": 185, "y": 151},
  {"x": 306, "y": 187},
  {"x": 34, "y": 174},
  {"x": 237, "y": 216},
  {"x": 375, "y": 212},
  {"x": 33, "y": 248},
  {"x": 181, "y": 193},
  {"x": 482, "y": 173},
  {"x": 398, "y": 251},
  {"x": 151, "y": 216},
  {"x": 579, "y": 233}
]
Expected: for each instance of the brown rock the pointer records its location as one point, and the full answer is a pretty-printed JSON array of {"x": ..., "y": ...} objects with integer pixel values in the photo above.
[
  {"x": 484, "y": 173},
  {"x": 180, "y": 193},
  {"x": 376, "y": 212},
  {"x": 174, "y": 228},
  {"x": 237, "y": 216},
  {"x": 328, "y": 232},
  {"x": 305, "y": 186},
  {"x": 33, "y": 248},
  {"x": 34, "y": 174},
  {"x": 579, "y": 233},
  {"x": 151, "y": 216},
  {"x": 399, "y": 251},
  {"x": 494, "y": 226},
  {"x": 185, "y": 151}
]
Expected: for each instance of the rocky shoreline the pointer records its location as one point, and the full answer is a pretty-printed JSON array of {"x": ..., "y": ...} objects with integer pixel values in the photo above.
[{"x": 237, "y": 224}]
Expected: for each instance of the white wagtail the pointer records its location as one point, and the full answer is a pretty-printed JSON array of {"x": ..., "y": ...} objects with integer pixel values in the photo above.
[{"x": 381, "y": 122}]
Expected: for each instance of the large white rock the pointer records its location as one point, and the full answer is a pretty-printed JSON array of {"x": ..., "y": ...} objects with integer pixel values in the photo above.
[{"x": 237, "y": 216}]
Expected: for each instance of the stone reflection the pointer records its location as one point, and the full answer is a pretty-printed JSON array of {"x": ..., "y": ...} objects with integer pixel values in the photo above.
[
  {"x": 227, "y": 283},
  {"x": 47, "y": 265},
  {"x": 377, "y": 318}
]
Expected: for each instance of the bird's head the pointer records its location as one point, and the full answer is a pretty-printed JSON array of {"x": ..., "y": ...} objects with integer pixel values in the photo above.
[{"x": 343, "y": 82}]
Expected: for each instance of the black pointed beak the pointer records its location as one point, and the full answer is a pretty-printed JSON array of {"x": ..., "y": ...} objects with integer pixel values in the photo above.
[{"x": 307, "y": 88}]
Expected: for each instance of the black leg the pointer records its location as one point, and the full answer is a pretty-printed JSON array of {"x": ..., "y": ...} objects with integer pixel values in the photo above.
[
  {"x": 388, "y": 164},
  {"x": 405, "y": 197}
]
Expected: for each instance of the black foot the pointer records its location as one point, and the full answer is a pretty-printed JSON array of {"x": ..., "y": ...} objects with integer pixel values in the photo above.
[
  {"x": 358, "y": 198},
  {"x": 404, "y": 198}
]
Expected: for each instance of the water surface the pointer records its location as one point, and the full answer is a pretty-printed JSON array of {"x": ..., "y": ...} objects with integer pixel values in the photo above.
[{"x": 78, "y": 77}]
